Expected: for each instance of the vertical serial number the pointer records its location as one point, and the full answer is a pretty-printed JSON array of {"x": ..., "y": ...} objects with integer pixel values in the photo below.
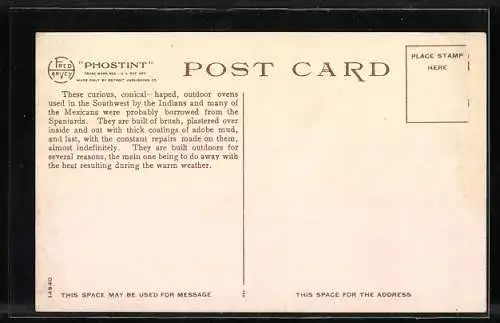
[{"x": 50, "y": 286}]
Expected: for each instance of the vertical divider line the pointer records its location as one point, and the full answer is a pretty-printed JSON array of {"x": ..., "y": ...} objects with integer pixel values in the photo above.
[{"x": 243, "y": 182}]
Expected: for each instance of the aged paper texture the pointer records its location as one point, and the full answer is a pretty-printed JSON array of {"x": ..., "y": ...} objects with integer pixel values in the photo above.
[{"x": 261, "y": 172}]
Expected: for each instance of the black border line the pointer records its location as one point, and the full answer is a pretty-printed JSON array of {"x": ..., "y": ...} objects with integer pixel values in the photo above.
[
  {"x": 488, "y": 169},
  {"x": 25, "y": 22}
]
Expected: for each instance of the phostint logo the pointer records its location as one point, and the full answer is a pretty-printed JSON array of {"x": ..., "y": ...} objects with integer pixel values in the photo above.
[
  {"x": 105, "y": 65},
  {"x": 106, "y": 71},
  {"x": 61, "y": 69}
]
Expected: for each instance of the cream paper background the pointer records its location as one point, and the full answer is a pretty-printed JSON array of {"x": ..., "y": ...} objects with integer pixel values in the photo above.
[{"x": 340, "y": 193}]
